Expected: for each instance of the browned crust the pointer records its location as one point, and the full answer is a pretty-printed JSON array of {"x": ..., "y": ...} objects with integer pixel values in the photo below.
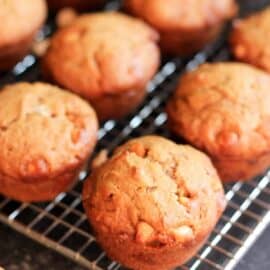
[
  {"x": 110, "y": 106},
  {"x": 142, "y": 258},
  {"x": 244, "y": 170},
  {"x": 181, "y": 16},
  {"x": 116, "y": 106},
  {"x": 187, "y": 43}
]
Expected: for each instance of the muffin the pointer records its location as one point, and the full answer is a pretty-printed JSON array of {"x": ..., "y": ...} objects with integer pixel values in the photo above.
[
  {"x": 107, "y": 58},
  {"x": 250, "y": 41},
  {"x": 223, "y": 109},
  {"x": 46, "y": 135},
  {"x": 185, "y": 27},
  {"x": 20, "y": 21},
  {"x": 153, "y": 204},
  {"x": 80, "y": 5}
]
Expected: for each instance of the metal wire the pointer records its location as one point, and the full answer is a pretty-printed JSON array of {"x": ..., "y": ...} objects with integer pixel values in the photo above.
[{"x": 62, "y": 225}]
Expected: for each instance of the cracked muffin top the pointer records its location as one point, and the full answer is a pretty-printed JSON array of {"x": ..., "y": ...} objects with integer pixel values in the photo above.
[
  {"x": 155, "y": 193},
  {"x": 102, "y": 53},
  {"x": 249, "y": 39},
  {"x": 223, "y": 108},
  {"x": 44, "y": 131},
  {"x": 20, "y": 18},
  {"x": 175, "y": 15}
]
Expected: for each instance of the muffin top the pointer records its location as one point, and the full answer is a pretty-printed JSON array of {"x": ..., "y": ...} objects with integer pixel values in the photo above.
[
  {"x": 223, "y": 108},
  {"x": 44, "y": 131},
  {"x": 19, "y": 18},
  {"x": 154, "y": 192},
  {"x": 103, "y": 53},
  {"x": 249, "y": 39},
  {"x": 175, "y": 15}
]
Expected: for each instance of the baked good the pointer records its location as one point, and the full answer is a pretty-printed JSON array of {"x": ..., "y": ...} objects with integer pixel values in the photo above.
[
  {"x": 153, "y": 204},
  {"x": 107, "y": 58},
  {"x": 80, "y": 5},
  {"x": 20, "y": 21},
  {"x": 46, "y": 135},
  {"x": 184, "y": 26},
  {"x": 250, "y": 40},
  {"x": 223, "y": 109}
]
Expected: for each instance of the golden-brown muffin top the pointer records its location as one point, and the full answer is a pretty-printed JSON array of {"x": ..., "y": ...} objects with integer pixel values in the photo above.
[
  {"x": 103, "y": 53},
  {"x": 155, "y": 192},
  {"x": 173, "y": 15},
  {"x": 249, "y": 39},
  {"x": 43, "y": 131},
  {"x": 223, "y": 108},
  {"x": 20, "y": 18}
]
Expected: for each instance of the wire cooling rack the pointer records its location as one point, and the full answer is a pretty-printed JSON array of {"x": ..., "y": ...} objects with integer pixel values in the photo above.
[{"x": 62, "y": 225}]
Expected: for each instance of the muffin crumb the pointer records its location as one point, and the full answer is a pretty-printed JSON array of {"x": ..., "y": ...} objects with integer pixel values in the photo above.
[
  {"x": 183, "y": 233},
  {"x": 144, "y": 232}
]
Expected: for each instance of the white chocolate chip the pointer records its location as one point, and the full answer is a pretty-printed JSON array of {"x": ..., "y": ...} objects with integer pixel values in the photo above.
[
  {"x": 144, "y": 232},
  {"x": 42, "y": 110},
  {"x": 183, "y": 233},
  {"x": 184, "y": 201}
]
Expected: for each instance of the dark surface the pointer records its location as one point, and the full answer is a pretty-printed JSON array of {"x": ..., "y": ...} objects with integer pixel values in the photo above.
[
  {"x": 20, "y": 253},
  {"x": 258, "y": 257}
]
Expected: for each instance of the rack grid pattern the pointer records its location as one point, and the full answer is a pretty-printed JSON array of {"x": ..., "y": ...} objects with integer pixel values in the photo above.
[{"x": 62, "y": 224}]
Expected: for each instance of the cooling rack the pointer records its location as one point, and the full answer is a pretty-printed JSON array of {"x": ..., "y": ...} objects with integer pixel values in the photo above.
[{"x": 62, "y": 225}]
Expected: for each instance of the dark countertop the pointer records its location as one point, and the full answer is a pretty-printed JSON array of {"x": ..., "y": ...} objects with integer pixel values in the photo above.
[{"x": 20, "y": 253}]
